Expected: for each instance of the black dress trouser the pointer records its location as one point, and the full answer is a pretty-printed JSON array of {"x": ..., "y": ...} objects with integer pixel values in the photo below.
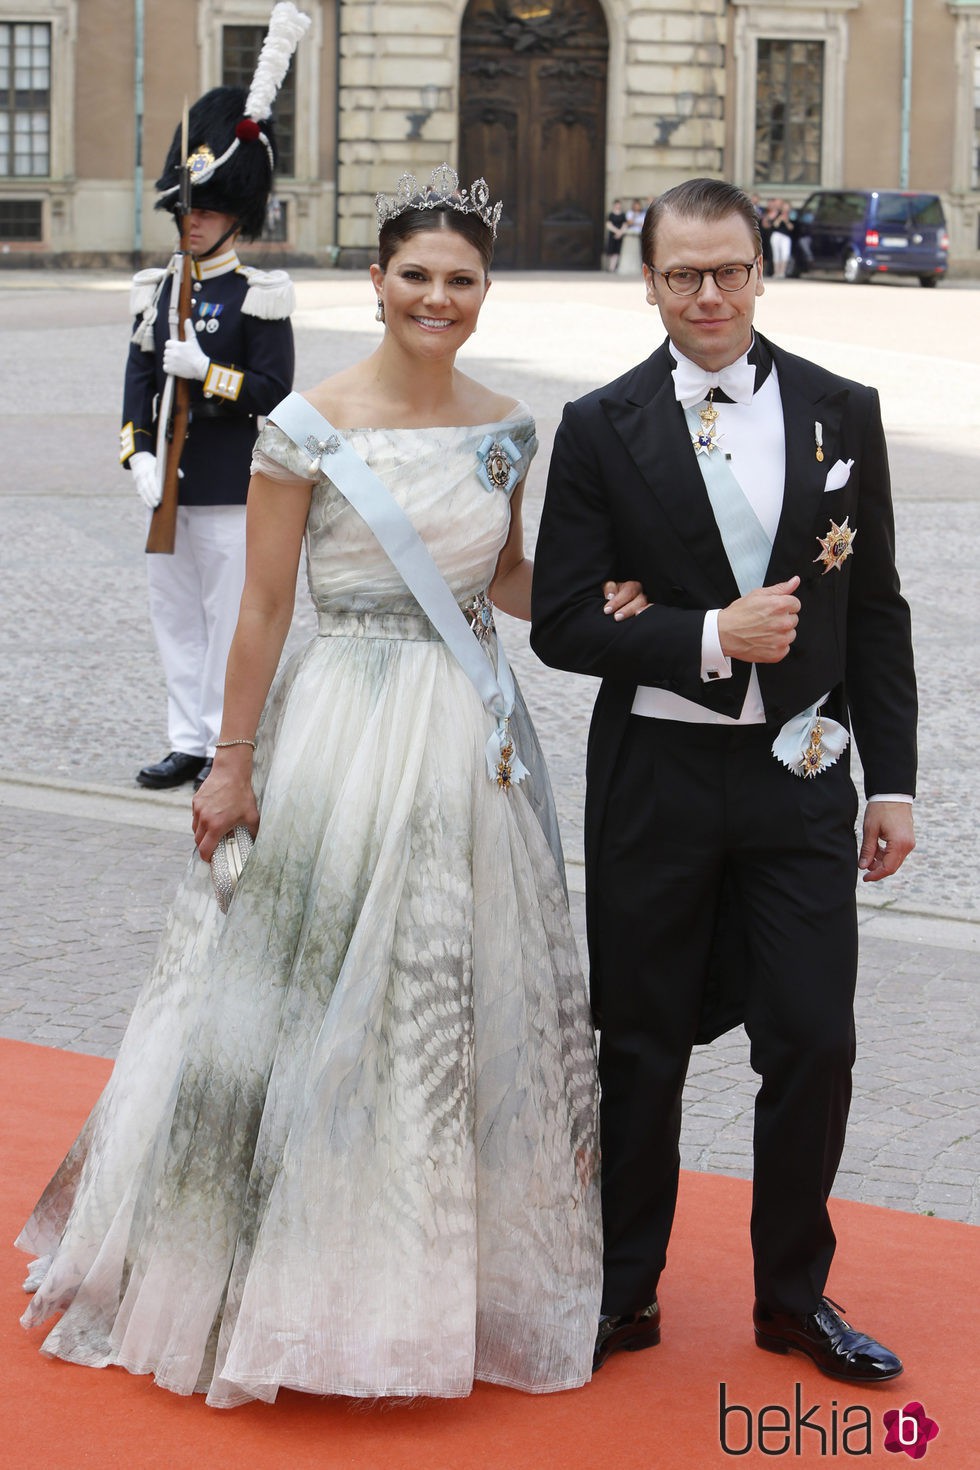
[{"x": 689, "y": 807}]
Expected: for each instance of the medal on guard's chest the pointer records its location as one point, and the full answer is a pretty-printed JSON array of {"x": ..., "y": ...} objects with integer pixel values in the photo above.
[
  {"x": 707, "y": 436},
  {"x": 836, "y": 545}
]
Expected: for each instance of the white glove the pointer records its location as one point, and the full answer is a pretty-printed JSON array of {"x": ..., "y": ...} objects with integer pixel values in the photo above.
[
  {"x": 144, "y": 467},
  {"x": 185, "y": 359}
]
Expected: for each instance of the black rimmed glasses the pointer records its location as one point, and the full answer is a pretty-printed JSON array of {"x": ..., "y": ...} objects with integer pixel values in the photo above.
[{"x": 684, "y": 280}]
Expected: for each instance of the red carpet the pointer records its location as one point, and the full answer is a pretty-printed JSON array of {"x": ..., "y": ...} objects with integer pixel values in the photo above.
[{"x": 911, "y": 1279}]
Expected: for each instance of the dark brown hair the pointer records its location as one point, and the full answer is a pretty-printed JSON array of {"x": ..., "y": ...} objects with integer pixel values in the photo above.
[
  {"x": 395, "y": 232},
  {"x": 701, "y": 199}
]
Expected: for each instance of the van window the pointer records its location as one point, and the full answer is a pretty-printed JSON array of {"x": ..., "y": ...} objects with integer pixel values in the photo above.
[
  {"x": 927, "y": 210},
  {"x": 836, "y": 210},
  {"x": 893, "y": 209}
]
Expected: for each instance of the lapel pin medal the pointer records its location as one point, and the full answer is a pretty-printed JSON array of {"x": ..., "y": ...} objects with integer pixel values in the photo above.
[
  {"x": 836, "y": 545},
  {"x": 818, "y": 441}
]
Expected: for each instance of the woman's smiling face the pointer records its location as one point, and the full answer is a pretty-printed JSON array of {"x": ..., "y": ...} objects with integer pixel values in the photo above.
[{"x": 432, "y": 291}]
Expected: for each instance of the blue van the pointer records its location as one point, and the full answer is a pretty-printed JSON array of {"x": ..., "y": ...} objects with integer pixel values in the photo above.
[{"x": 861, "y": 233}]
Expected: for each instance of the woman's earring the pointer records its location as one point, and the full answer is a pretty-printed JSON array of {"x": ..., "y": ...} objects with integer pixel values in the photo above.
[{"x": 379, "y": 315}]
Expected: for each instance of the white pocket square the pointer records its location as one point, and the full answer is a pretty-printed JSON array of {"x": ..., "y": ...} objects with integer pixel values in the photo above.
[{"x": 838, "y": 474}]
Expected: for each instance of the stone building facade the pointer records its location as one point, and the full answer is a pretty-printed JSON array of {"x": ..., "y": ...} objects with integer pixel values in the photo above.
[{"x": 563, "y": 104}]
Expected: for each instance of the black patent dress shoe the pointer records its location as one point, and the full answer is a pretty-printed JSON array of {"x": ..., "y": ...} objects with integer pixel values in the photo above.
[
  {"x": 832, "y": 1343},
  {"x": 629, "y": 1334},
  {"x": 173, "y": 770},
  {"x": 202, "y": 774}
]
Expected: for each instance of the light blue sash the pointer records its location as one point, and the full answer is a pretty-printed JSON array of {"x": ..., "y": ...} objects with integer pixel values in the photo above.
[
  {"x": 360, "y": 486},
  {"x": 806, "y": 744},
  {"x": 747, "y": 546}
]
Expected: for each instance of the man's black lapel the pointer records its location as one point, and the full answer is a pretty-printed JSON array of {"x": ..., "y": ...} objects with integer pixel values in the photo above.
[
  {"x": 806, "y": 405},
  {"x": 650, "y": 423}
]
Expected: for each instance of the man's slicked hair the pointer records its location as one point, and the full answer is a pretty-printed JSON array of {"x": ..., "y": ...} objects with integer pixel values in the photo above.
[{"x": 707, "y": 200}]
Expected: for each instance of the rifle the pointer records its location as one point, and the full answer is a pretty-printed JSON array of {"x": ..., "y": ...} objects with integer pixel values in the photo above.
[{"x": 172, "y": 427}]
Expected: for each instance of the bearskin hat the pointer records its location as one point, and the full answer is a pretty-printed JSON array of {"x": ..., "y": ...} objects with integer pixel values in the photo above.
[{"x": 240, "y": 185}]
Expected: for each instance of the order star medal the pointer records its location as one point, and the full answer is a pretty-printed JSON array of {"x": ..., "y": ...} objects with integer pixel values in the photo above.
[
  {"x": 707, "y": 438},
  {"x": 836, "y": 545}
]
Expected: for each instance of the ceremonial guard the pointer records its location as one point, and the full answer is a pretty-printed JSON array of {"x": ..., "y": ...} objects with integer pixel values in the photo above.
[{"x": 227, "y": 357}]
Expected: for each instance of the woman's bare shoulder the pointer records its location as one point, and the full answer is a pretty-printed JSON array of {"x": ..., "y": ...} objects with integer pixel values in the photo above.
[
  {"x": 339, "y": 398},
  {"x": 484, "y": 406}
]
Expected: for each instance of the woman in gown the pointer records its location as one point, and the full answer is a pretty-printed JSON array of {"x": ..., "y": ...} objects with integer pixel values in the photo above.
[{"x": 349, "y": 1143}]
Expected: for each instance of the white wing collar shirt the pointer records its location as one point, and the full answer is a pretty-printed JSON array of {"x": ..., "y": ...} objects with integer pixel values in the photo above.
[{"x": 750, "y": 434}]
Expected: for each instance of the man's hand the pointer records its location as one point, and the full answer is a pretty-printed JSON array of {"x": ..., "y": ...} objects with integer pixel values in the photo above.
[
  {"x": 759, "y": 628},
  {"x": 887, "y": 840},
  {"x": 185, "y": 359},
  {"x": 624, "y": 599},
  {"x": 144, "y": 471}
]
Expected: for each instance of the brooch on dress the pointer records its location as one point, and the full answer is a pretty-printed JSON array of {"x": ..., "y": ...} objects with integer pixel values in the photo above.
[
  {"x": 317, "y": 448},
  {"x": 479, "y": 614},
  {"x": 500, "y": 462},
  {"x": 836, "y": 545}
]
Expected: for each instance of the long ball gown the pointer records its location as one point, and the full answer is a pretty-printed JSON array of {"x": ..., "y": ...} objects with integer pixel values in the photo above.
[{"x": 349, "y": 1144}]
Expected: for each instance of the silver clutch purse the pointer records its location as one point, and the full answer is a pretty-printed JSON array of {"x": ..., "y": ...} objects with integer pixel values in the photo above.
[{"x": 228, "y": 863}]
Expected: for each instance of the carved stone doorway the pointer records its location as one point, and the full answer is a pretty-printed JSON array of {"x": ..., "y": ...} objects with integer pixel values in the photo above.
[{"x": 532, "y": 104}]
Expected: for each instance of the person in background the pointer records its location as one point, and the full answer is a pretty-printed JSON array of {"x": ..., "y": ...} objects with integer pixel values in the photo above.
[
  {"x": 615, "y": 230},
  {"x": 236, "y": 350}
]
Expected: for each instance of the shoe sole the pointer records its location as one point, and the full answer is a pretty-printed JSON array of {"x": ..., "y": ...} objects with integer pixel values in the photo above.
[
  {"x": 635, "y": 1340},
  {"x": 164, "y": 785},
  {"x": 779, "y": 1345}
]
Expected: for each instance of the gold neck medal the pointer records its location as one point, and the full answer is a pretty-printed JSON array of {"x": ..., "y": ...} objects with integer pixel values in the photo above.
[{"x": 707, "y": 436}]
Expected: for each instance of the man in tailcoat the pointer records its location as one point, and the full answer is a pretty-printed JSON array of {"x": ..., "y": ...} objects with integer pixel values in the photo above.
[{"x": 748, "y": 490}]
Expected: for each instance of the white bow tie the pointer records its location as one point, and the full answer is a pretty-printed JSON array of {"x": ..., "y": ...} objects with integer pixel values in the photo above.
[{"x": 692, "y": 383}]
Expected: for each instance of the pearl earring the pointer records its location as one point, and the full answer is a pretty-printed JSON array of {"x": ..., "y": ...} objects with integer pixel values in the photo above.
[{"x": 379, "y": 315}]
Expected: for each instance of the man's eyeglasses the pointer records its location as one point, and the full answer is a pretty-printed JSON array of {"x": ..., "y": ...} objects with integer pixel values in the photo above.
[{"x": 684, "y": 280}]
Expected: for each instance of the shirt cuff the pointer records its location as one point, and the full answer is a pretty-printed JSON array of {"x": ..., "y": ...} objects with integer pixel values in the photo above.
[
  {"x": 892, "y": 796},
  {"x": 714, "y": 664}
]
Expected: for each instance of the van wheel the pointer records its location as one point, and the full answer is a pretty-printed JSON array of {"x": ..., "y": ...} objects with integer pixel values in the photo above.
[
  {"x": 853, "y": 273},
  {"x": 928, "y": 280}
]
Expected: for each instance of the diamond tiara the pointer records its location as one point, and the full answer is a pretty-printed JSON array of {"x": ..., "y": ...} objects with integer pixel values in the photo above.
[{"x": 441, "y": 192}]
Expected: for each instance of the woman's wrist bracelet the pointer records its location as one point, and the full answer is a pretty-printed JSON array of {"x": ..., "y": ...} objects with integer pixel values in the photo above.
[{"x": 243, "y": 740}]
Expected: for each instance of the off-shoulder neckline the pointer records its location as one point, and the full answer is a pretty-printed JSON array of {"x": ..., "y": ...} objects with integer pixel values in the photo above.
[{"x": 518, "y": 411}]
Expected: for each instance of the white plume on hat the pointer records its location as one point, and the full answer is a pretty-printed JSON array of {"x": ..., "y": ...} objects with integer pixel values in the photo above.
[{"x": 287, "y": 27}]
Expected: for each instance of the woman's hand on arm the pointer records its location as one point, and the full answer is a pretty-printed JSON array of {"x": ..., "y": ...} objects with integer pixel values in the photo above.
[
  {"x": 275, "y": 523},
  {"x": 624, "y": 599}
]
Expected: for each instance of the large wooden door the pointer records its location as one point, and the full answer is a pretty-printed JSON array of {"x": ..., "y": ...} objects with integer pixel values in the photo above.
[{"x": 532, "y": 103}]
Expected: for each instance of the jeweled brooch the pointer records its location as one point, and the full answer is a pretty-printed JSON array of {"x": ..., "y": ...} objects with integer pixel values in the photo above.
[
  {"x": 836, "y": 545},
  {"x": 500, "y": 463},
  {"x": 479, "y": 615},
  {"x": 317, "y": 448}
]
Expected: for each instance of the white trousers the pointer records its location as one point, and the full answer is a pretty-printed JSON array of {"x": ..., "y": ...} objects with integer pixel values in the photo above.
[
  {"x": 780, "y": 245},
  {"x": 194, "y": 598}
]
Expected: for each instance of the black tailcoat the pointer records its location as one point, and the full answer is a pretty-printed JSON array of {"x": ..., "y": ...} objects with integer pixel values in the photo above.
[{"x": 626, "y": 498}]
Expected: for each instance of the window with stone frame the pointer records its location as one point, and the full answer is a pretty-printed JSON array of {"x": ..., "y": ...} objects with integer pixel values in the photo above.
[
  {"x": 240, "y": 47},
  {"x": 788, "y": 111},
  {"x": 25, "y": 100},
  {"x": 975, "y": 152}
]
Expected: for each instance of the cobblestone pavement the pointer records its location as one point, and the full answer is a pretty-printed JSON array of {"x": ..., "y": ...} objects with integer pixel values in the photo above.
[{"x": 89, "y": 863}]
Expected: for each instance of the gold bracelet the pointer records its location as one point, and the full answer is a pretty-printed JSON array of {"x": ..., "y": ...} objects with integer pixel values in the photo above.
[{"x": 244, "y": 740}]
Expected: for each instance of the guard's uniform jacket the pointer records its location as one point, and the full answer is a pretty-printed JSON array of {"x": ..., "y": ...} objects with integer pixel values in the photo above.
[{"x": 242, "y": 318}]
